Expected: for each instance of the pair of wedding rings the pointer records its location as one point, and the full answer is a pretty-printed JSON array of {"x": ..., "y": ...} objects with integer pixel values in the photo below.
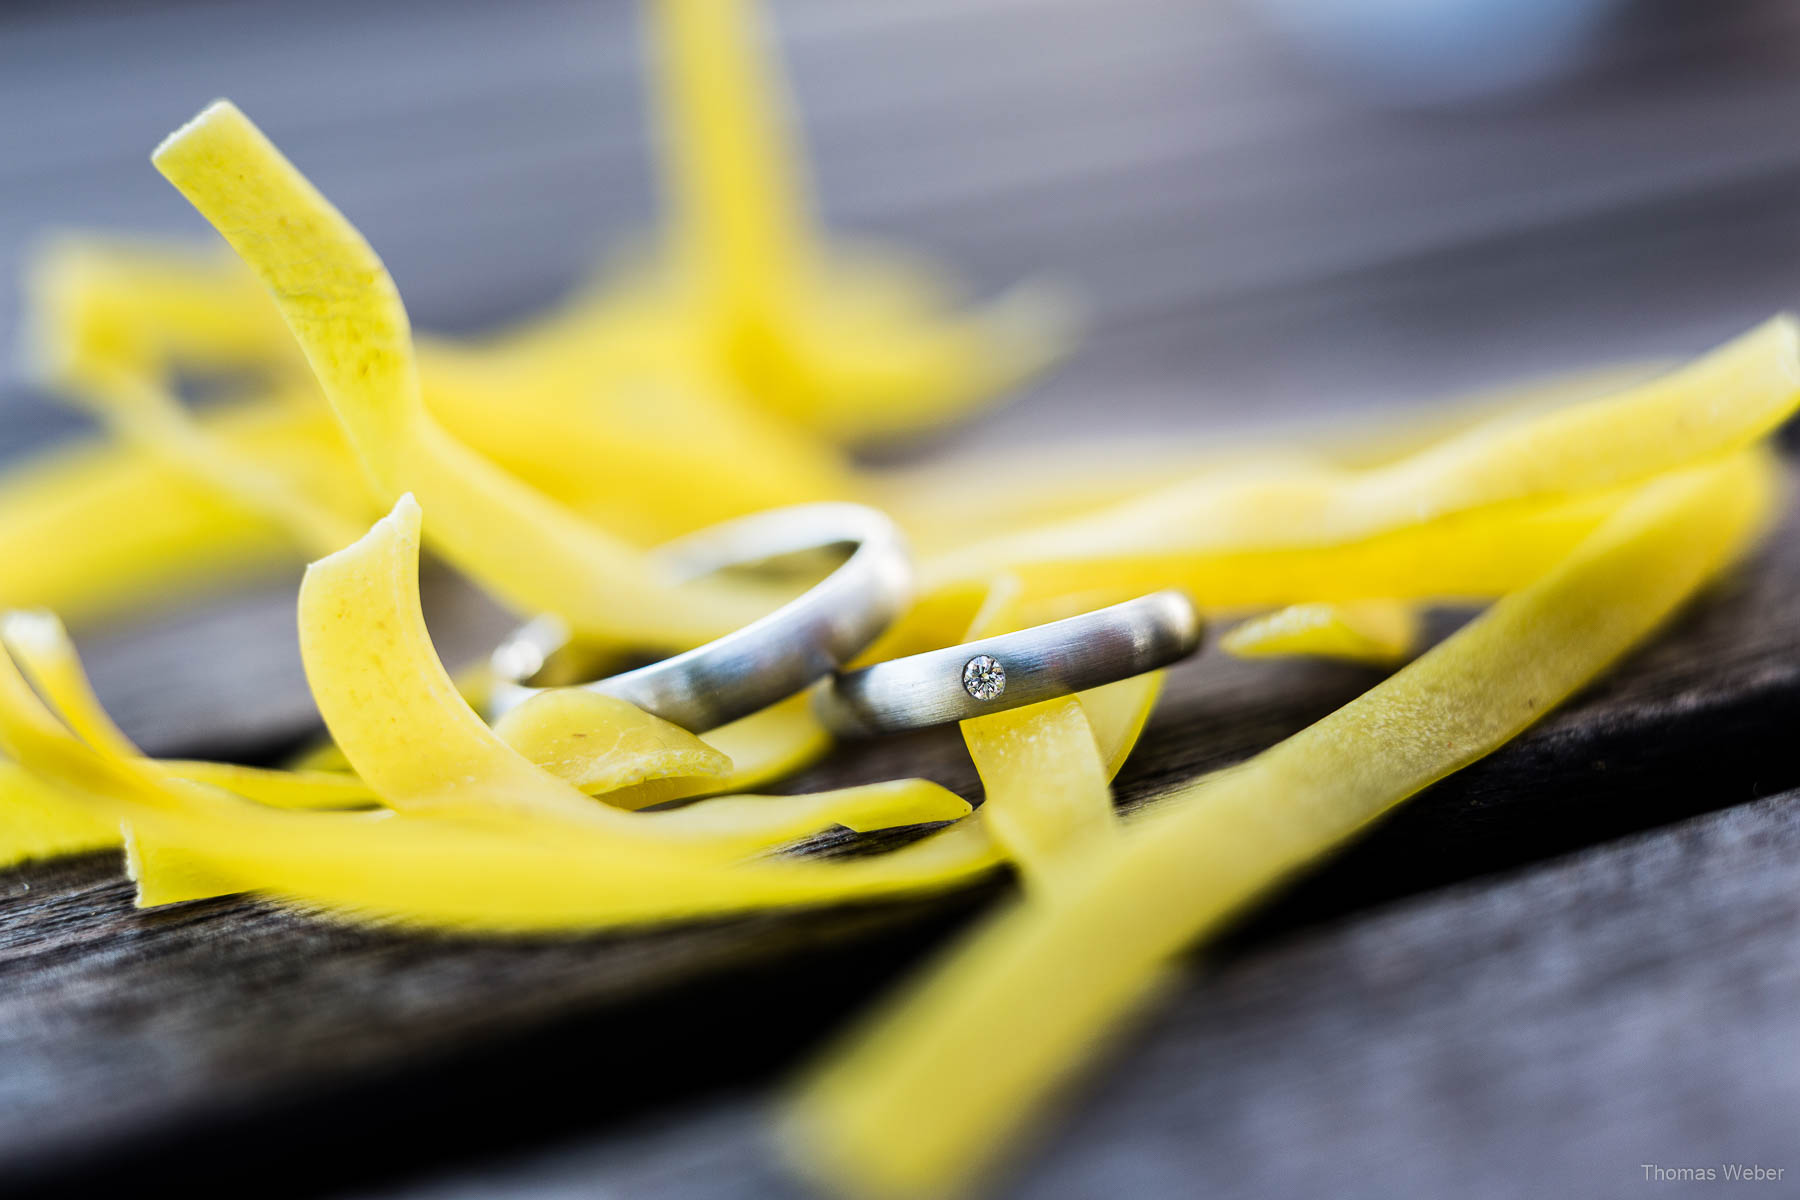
[{"x": 810, "y": 640}]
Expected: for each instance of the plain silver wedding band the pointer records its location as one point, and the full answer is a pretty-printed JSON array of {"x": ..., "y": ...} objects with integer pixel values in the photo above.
[
  {"x": 1014, "y": 669},
  {"x": 767, "y": 660}
]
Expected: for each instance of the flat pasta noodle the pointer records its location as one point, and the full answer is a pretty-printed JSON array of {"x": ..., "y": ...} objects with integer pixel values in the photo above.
[
  {"x": 1045, "y": 785},
  {"x": 598, "y": 407},
  {"x": 1046, "y": 800},
  {"x": 1230, "y": 542},
  {"x": 863, "y": 808},
  {"x": 344, "y": 310},
  {"x": 1116, "y": 714},
  {"x": 326, "y": 790},
  {"x": 406, "y": 730},
  {"x": 1381, "y": 632},
  {"x": 737, "y": 824},
  {"x": 601, "y": 744},
  {"x": 762, "y": 748},
  {"x": 37, "y": 821},
  {"x": 143, "y": 412},
  {"x": 67, "y": 549},
  {"x": 1055, "y": 484},
  {"x": 1060, "y": 483},
  {"x": 449, "y": 874},
  {"x": 746, "y": 754},
  {"x": 143, "y": 304},
  {"x": 42, "y": 648},
  {"x": 926, "y": 1094},
  {"x": 770, "y": 745},
  {"x": 418, "y": 872},
  {"x": 1466, "y": 558},
  {"x": 624, "y": 443},
  {"x": 172, "y": 874},
  {"x": 853, "y": 345}
]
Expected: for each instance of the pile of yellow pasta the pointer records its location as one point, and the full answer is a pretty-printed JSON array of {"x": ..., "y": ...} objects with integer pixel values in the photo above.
[{"x": 726, "y": 377}]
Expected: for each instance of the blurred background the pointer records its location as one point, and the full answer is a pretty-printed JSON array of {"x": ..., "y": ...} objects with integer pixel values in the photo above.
[
  {"x": 1279, "y": 214},
  {"x": 1272, "y": 208}
]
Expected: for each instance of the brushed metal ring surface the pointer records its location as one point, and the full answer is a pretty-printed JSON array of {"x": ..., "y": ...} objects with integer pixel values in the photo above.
[
  {"x": 1014, "y": 669},
  {"x": 767, "y": 660}
]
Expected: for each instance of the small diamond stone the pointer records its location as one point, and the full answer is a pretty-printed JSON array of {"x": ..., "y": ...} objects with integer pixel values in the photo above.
[{"x": 983, "y": 677}]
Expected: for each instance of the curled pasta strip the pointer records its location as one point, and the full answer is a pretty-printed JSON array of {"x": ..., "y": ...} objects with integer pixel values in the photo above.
[
  {"x": 771, "y": 744},
  {"x": 425, "y": 870},
  {"x": 926, "y": 1094},
  {"x": 408, "y": 733},
  {"x": 756, "y": 751},
  {"x": 558, "y": 732},
  {"x": 346, "y": 314}
]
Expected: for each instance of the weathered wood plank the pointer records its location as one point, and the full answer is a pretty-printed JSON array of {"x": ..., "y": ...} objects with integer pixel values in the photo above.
[{"x": 1548, "y": 1033}]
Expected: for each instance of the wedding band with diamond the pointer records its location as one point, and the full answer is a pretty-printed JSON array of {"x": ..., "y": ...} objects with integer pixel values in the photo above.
[
  {"x": 1014, "y": 669},
  {"x": 768, "y": 660}
]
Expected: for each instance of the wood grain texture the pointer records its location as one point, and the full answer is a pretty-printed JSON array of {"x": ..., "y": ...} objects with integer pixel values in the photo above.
[
  {"x": 1259, "y": 245},
  {"x": 1545, "y": 1033}
]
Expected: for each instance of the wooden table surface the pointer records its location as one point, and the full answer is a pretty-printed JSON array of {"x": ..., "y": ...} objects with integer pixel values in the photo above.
[{"x": 1576, "y": 958}]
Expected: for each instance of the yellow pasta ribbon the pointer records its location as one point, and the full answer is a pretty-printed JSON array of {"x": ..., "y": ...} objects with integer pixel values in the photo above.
[
  {"x": 771, "y": 744},
  {"x": 1472, "y": 516},
  {"x": 601, "y": 744},
  {"x": 408, "y": 733},
  {"x": 422, "y": 870},
  {"x": 926, "y": 1094},
  {"x": 724, "y": 827},
  {"x": 1117, "y": 714},
  {"x": 1047, "y": 798},
  {"x": 341, "y": 304},
  {"x": 1045, "y": 786},
  {"x": 557, "y": 731},
  {"x": 42, "y": 648},
  {"x": 171, "y": 874},
  {"x": 604, "y": 412},
  {"x": 66, "y": 548},
  {"x": 850, "y": 344},
  {"x": 37, "y": 821},
  {"x": 1370, "y": 631},
  {"x": 44, "y": 824},
  {"x": 144, "y": 304},
  {"x": 143, "y": 412},
  {"x": 759, "y": 749}
]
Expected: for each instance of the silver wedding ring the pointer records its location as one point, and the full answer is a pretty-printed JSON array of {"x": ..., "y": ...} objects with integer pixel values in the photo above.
[
  {"x": 766, "y": 661},
  {"x": 1012, "y": 670}
]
